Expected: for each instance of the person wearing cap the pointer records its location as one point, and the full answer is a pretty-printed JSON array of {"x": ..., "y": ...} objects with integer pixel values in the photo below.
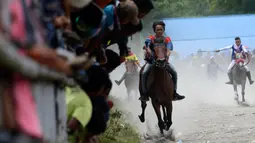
[
  {"x": 125, "y": 12},
  {"x": 128, "y": 24},
  {"x": 85, "y": 24},
  {"x": 79, "y": 113},
  {"x": 133, "y": 60},
  {"x": 97, "y": 87},
  {"x": 128, "y": 12}
]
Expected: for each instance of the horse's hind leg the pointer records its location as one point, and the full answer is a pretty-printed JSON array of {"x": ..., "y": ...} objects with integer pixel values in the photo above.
[
  {"x": 169, "y": 109},
  {"x": 143, "y": 105},
  {"x": 161, "y": 124}
]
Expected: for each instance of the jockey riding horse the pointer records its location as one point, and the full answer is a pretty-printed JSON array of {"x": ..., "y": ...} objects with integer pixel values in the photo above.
[
  {"x": 152, "y": 41},
  {"x": 131, "y": 75},
  {"x": 236, "y": 48},
  {"x": 132, "y": 65}
]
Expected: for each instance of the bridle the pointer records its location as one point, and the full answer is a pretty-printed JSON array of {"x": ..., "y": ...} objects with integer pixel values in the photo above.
[{"x": 160, "y": 63}]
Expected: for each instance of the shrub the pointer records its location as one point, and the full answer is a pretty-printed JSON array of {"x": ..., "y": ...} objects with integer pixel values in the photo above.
[{"x": 119, "y": 130}]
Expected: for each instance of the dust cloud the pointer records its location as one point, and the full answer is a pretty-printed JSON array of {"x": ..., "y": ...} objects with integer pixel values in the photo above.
[{"x": 209, "y": 112}]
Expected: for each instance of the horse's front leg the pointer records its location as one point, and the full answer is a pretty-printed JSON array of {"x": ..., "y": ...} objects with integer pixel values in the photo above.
[
  {"x": 235, "y": 91},
  {"x": 142, "y": 116},
  {"x": 169, "y": 109},
  {"x": 164, "y": 114},
  {"x": 161, "y": 123},
  {"x": 243, "y": 92}
]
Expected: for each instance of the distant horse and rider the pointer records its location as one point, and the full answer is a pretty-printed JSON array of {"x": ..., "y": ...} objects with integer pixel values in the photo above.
[
  {"x": 131, "y": 75},
  {"x": 238, "y": 70}
]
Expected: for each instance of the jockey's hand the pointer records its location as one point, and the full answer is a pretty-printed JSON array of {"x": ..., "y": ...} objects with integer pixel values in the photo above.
[
  {"x": 217, "y": 51},
  {"x": 62, "y": 22}
]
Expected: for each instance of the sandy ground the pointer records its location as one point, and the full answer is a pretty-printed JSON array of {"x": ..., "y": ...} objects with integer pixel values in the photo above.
[{"x": 209, "y": 113}]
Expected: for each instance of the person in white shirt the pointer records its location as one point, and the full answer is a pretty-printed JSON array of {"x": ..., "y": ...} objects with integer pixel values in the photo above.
[{"x": 236, "y": 48}]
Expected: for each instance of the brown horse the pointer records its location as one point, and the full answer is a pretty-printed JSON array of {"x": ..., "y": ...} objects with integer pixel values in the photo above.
[{"x": 161, "y": 90}]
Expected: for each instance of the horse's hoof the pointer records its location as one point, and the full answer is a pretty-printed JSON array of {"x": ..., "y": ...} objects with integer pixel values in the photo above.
[
  {"x": 166, "y": 128},
  {"x": 161, "y": 133},
  {"x": 141, "y": 118},
  {"x": 244, "y": 103}
]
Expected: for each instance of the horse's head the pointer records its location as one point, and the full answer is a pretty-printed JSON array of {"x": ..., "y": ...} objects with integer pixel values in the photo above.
[
  {"x": 240, "y": 60},
  {"x": 239, "y": 64},
  {"x": 160, "y": 49}
]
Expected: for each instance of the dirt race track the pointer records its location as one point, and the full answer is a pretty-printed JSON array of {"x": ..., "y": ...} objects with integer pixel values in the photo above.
[{"x": 209, "y": 113}]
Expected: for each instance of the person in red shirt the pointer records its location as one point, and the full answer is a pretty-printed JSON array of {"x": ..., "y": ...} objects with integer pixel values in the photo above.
[{"x": 150, "y": 43}]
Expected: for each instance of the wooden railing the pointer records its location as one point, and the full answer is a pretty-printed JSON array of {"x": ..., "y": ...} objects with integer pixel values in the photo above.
[{"x": 49, "y": 97}]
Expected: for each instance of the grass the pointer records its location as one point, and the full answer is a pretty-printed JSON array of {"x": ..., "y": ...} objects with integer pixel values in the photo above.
[{"x": 119, "y": 131}]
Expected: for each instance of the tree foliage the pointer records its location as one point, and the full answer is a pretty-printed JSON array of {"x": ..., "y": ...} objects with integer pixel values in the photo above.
[{"x": 191, "y": 8}]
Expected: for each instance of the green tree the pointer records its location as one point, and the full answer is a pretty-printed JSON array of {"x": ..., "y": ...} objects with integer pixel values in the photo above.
[{"x": 194, "y": 8}]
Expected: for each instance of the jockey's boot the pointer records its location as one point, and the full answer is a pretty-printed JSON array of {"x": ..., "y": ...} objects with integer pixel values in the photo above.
[
  {"x": 177, "y": 96},
  {"x": 230, "y": 79},
  {"x": 122, "y": 78},
  {"x": 248, "y": 74}
]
